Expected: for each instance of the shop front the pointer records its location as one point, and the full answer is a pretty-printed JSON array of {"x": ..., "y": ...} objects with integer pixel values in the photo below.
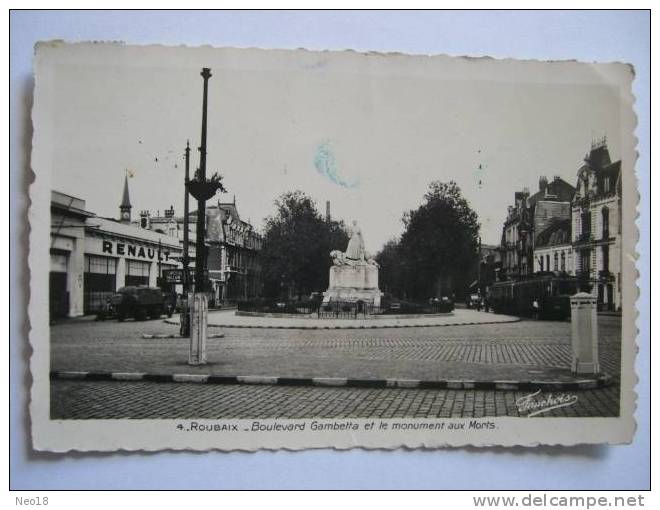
[{"x": 119, "y": 255}]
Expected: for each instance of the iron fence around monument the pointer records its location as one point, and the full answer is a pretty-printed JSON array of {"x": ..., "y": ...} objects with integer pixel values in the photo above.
[
  {"x": 348, "y": 310},
  {"x": 343, "y": 309}
]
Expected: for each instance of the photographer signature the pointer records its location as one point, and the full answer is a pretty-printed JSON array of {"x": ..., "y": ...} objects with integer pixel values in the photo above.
[{"x": 530, "y": 404}]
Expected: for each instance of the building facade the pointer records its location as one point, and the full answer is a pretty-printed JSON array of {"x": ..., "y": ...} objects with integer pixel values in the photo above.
[
  {"x": 68, "y": 217},
  {"x": 553, "y": 249},
  {"x": 234, "y": 254},
  {"x": 526, "y": 219},
  {"x": 596, "y": 221},
  {"x": 233, "y": 249}
]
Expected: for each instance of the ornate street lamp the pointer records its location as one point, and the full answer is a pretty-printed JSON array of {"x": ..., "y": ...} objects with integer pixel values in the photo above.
[{"x": 201, "y": 189}]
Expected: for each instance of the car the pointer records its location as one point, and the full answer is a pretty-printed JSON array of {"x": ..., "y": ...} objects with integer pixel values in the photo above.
[
  {"x": 395, "y": 304},
  {"x": 473, "y": 301}
]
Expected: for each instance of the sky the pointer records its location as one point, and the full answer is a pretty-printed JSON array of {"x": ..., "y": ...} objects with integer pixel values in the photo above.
[{"x": 366, "y": 132}]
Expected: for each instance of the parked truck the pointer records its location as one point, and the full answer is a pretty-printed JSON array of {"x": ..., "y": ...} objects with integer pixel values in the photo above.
[{"x": 141, "y": 302}]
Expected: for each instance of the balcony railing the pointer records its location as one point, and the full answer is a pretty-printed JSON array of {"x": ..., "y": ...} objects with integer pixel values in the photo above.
[{"x": 584, "y": 238}]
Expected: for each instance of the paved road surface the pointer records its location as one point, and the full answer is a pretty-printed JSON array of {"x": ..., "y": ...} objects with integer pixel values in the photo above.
[
  {"x": 525, "y": 350},
  {"x": 506, "y": 346}
]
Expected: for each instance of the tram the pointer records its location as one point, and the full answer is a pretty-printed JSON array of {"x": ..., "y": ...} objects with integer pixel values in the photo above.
[{"x": 546, "y": 296}]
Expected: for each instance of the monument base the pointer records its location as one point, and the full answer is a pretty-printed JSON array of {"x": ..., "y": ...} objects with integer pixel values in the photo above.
[
  {"x": 353, "y": 296},
  {"x": 353, "y": 283}
]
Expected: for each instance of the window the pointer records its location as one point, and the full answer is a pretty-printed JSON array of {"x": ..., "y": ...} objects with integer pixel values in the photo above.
[
  {"x": 99, "y": 282},
  {"x": 541, "y": 263},
  {"x": 556, "y": 262},
  {"x": 100, "y": 265},
  {"x": 605, "y": 212},
  {"x": 547, "y": 262},
  {"x": 137, "y": 268},
  {"x": 606, "y": 258},
  {"x": 137, "y": 272},
  {"x": 563, "y": 261},
  {"x": 586, "y": 225},
  {"x": 606, "y": 185},
  {"x": 585, "y": 261}
]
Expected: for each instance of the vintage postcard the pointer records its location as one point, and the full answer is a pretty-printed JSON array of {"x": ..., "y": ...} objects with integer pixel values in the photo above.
[{"x": 238, "y": 249}]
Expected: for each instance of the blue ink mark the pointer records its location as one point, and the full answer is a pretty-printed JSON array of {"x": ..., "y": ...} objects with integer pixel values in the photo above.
[{"x": 326, "y": 165}]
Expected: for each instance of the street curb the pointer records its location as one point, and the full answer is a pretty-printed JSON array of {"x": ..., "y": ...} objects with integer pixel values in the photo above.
[
  {"x": 148, "y": 336},
  {"x": 338, "y": 382},
  {"x": 386, "y": 326}
]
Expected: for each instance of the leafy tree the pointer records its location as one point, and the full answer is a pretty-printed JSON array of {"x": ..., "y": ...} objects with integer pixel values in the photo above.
[
  {"x": 296, "y": 247},
  {"x": 438, "y": 247},
  {"x": 391, "y": 275}
]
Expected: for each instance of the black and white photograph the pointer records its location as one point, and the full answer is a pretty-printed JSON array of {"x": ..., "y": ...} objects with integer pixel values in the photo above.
[{"x": 244, "y": 249}]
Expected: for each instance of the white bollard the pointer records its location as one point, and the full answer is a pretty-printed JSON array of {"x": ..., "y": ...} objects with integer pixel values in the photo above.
[
  {"x": 198, "y": 306},
  {"x": 584, "y": 334}
]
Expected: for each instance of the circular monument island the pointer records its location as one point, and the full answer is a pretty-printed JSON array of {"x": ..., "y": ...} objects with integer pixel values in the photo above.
[{"x": 352, "y": 300}]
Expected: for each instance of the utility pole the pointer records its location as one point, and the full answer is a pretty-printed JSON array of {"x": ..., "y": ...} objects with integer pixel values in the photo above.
[
  {"x": 186, "y": 213},
  {"x": 184, "y": 329},
  {"x": 479, "y": 268}
]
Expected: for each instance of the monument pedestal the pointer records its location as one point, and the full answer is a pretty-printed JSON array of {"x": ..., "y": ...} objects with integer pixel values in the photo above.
[{"x": 353, "y": 283}]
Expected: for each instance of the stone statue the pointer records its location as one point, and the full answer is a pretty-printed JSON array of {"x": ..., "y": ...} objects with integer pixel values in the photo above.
[
  {"x": 355, "y": 249},
  {"x": 355, "y": 255},
  {"x": 338, "y": 258}
]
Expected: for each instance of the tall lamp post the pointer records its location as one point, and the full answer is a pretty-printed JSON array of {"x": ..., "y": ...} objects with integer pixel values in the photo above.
[{"x": 201, "y": 189}]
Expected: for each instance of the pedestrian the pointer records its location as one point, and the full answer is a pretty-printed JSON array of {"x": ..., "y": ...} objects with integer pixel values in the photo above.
[{"x": 535, "y": 309}]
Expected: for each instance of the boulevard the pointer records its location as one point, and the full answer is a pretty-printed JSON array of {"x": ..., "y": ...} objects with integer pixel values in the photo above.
[{"x": 463, "y": 352}]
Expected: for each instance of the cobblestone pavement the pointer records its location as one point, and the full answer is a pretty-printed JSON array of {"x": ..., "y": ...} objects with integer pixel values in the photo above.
[
  {"x": 526, "y": 350},
  {"x": 140, "y": 400},
  {"x": 468, "y": 351}
]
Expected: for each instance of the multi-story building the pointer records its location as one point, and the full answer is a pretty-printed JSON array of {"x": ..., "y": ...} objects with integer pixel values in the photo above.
[
  {"x": 596, "y": 222},
  {"x": 234, "y": 254},
  {"x": 233, "y": 246},
  {"x": 526, "y": 219}
]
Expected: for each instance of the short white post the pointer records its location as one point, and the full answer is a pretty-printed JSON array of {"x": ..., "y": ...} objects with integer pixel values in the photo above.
[
  {"x": 198, "y": 306},
  {"x": 584, "y": 334}
]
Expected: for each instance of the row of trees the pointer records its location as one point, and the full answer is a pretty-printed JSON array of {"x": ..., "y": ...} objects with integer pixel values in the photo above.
[{"x": 433, "y": 257}]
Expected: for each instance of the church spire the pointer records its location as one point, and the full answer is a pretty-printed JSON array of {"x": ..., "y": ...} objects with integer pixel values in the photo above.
[{"x": 125, "y": 207}]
